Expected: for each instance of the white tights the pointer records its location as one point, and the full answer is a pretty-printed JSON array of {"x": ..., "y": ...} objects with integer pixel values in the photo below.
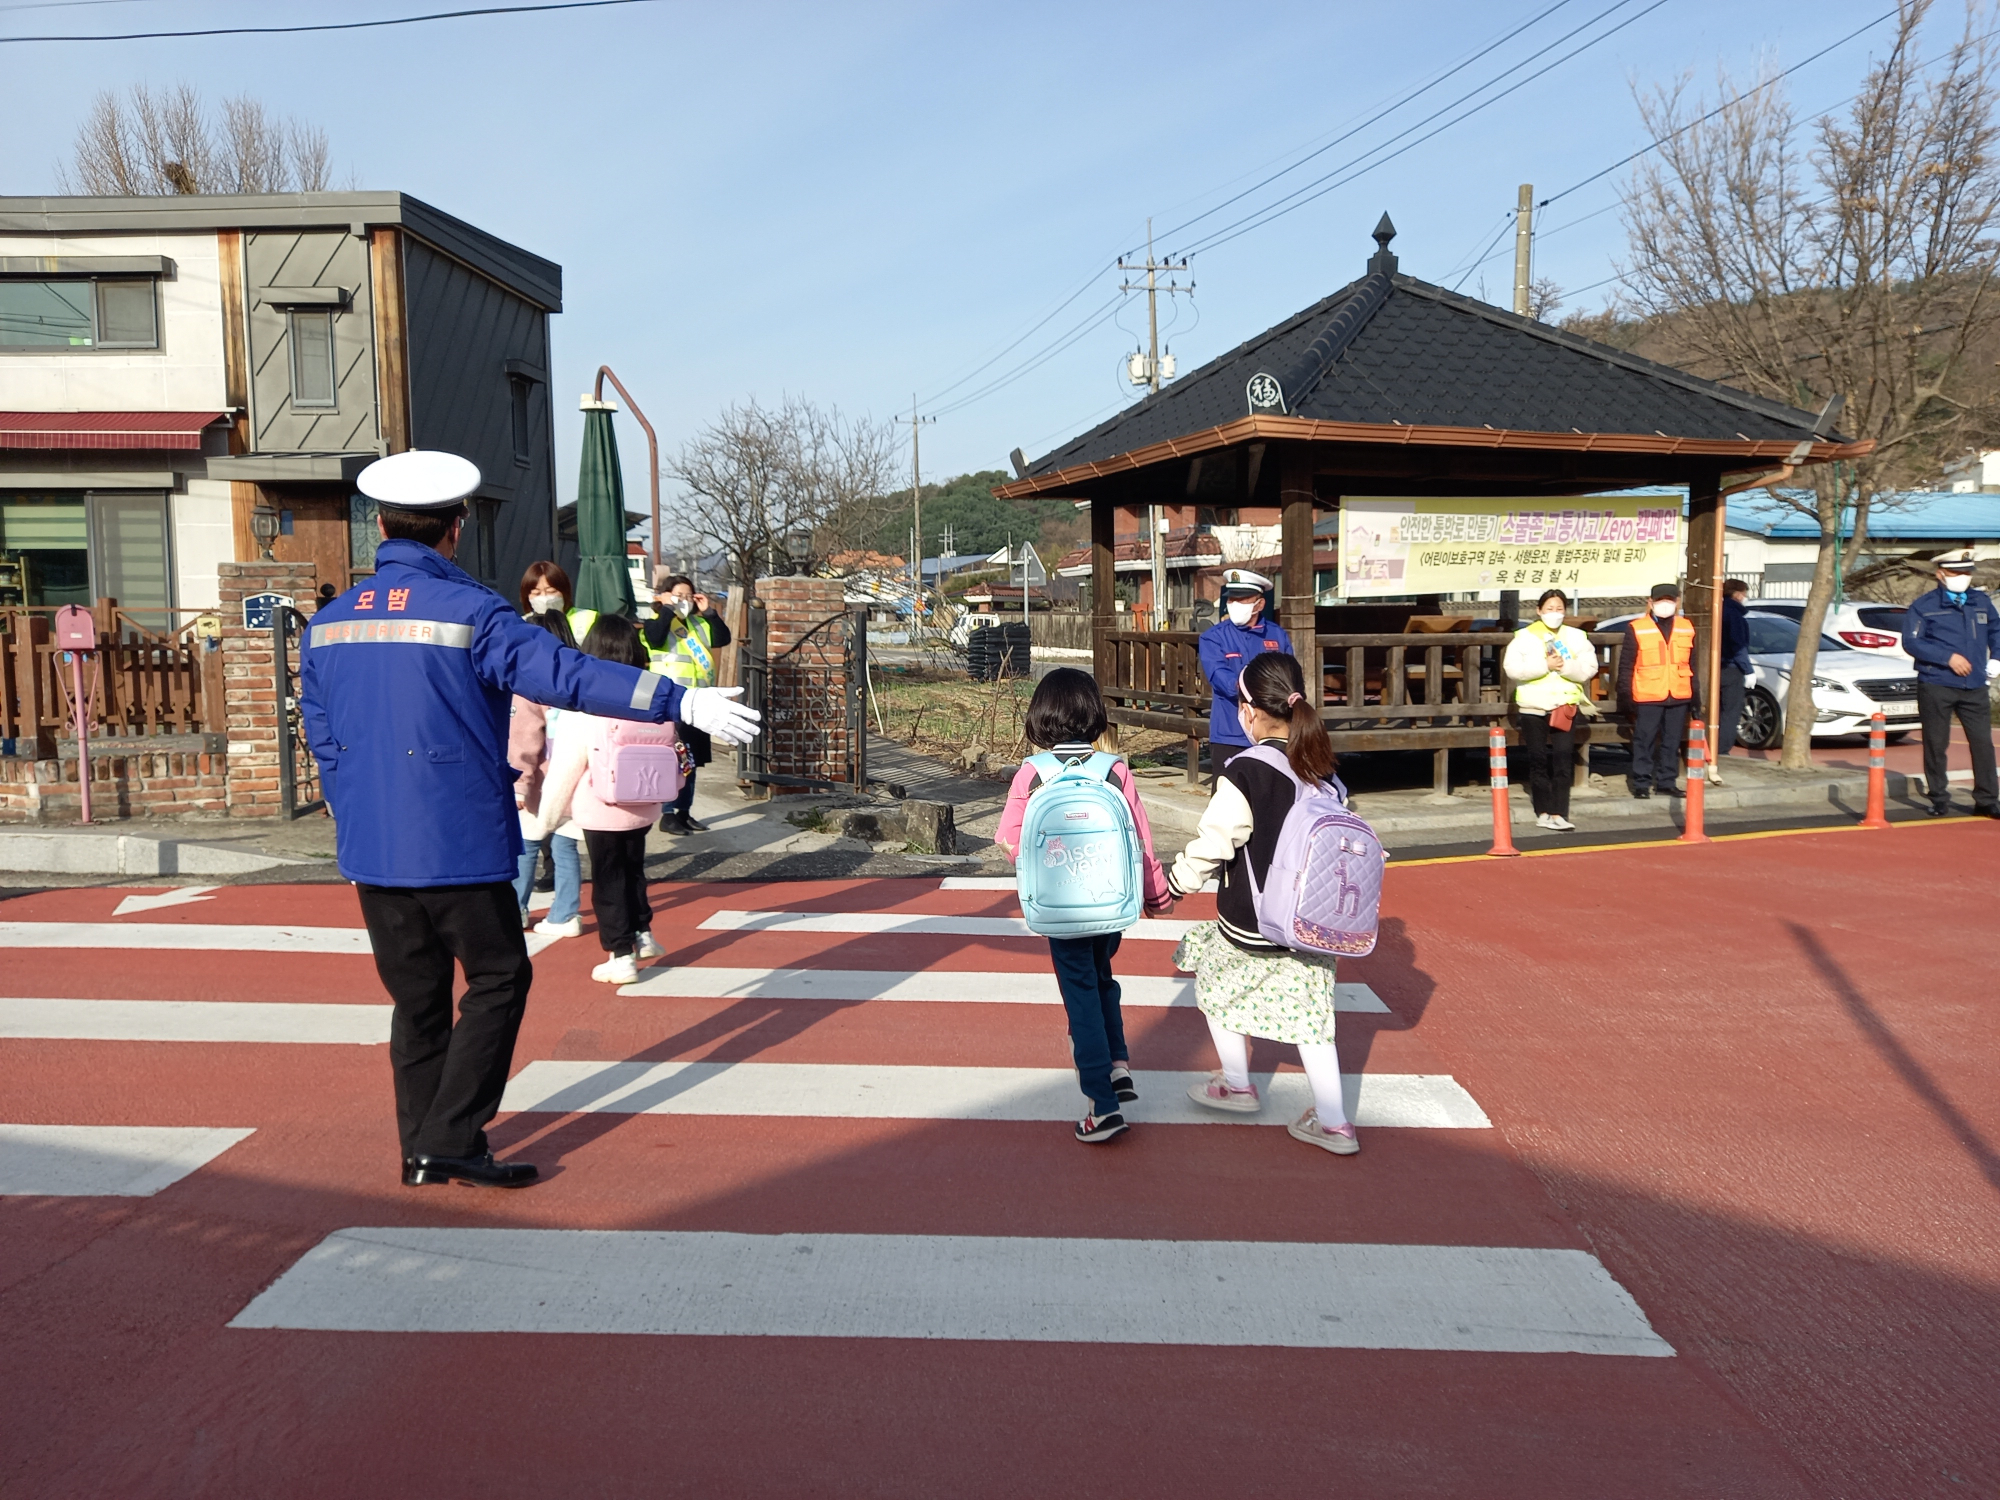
[{"x": 1321, "y": 1062}]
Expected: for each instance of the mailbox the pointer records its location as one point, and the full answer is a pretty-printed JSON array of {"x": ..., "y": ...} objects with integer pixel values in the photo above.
[{"x": 76, "y": 628}]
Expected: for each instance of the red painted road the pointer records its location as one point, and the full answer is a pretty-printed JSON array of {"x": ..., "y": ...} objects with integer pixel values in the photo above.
[{"x": 1755, "y": 1079}]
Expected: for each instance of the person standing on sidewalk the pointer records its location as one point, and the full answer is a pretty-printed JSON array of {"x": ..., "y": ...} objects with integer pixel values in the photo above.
[
  {"x": 405, "y": 683},
  {"x": 681, "y": 641},
  {"x": 1230, "y": 645},
  {"x": 1551, "y": 664},
  {"x": 1656, "y": 678},
  {"x": 1735, "y": 682},
  {"x": 1954, "y": 634}
]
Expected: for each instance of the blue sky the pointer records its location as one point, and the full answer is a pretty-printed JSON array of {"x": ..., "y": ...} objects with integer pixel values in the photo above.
[{"x": 855, "y": 203}]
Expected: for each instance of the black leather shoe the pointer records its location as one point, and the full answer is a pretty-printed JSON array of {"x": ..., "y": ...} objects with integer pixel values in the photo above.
[
  {"x": 1641, "y": 793},
  {"x": 672, "y": 822},
  {"x": 480, "y": 1171},
  {"x": 1938, "y": 809},
  {"x": 1673, "y": 791}
]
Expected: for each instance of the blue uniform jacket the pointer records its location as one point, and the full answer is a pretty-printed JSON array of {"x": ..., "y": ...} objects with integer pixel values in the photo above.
[
  {"x": 1735, "y": 635},
  {"x": 1226, "y": 649},
  {"x": 1934, "y": 629},
  {"x": 405, "y": 684}
]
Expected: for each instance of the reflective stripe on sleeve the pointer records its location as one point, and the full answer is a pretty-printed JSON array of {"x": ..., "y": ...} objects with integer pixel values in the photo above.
[
  {"x": 642, "y": 691},
  {"x": 406, "y": 632}
]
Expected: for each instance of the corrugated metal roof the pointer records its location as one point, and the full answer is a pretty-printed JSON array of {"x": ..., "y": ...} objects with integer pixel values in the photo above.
[{"x": 1898, "y": 515}]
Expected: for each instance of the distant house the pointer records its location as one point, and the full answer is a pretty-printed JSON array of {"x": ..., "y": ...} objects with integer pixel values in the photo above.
[
  {"x": 170, "y": 365},
  {"x": 1773, "y": 546},
  {"x": 1975, "y": 471}
]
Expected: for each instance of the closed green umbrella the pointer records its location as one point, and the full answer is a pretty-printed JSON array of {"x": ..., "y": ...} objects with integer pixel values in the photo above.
[{"x": 602, "y": 582}]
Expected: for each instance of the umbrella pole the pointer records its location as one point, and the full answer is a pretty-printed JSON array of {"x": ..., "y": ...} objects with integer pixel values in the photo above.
[{"x": 652, "y": 454}]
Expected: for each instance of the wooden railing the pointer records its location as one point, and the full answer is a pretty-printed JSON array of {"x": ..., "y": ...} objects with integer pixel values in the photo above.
[
  {"x": 141, "y": 681},
  {"x": 1415, "y": 691}
]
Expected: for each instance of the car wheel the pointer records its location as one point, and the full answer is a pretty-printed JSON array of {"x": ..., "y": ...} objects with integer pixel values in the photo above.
[{"x": 1761, "y": 725}]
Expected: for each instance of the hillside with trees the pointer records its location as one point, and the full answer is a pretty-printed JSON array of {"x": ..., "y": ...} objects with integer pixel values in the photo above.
[{"x": 980, "y": 523}]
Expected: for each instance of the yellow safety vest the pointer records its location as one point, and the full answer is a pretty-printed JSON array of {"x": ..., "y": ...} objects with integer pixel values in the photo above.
[
  {"x": 580, "y": 621},
  {"x": 687, "y": 658}
]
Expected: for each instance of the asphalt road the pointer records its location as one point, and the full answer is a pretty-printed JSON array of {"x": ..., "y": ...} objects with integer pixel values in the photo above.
[{"x": 1678, "y": 1178}]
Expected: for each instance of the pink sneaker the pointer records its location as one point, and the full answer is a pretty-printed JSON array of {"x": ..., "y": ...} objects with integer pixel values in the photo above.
[
  {"x": 1218, "y": 1095},
  {"x": 1339, "y": 1139}
]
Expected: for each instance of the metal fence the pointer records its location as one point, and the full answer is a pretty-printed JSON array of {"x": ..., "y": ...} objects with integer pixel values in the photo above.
[
  {"x": 813, "y": 697},
  {"x": 298, "y": 772}
]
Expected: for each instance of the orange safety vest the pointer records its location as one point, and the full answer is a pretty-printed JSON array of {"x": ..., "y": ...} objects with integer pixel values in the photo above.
[{"x": 1664, "y": 669}]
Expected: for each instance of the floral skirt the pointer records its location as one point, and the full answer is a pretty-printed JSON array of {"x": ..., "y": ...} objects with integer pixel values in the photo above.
[{"x": 1286, "y": 997}]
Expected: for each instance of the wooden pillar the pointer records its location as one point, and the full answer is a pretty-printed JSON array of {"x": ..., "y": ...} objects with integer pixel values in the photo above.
[
  {"x": 392, "y": 338},
  {"x": 1297, "y": 610},
  {"x": 1701, "y": 594},
  {"x": 1103, "y": 584}
]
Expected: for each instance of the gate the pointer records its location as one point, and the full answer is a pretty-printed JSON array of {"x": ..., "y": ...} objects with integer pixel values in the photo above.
[
  {"x": 298, "y": 772},
  {"x": 813, "y": 695}
]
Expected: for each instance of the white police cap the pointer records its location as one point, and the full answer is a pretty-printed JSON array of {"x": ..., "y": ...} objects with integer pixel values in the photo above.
[
  {"x": 1243, "y": 581},
  {"x": 421, "y": 479},
  {"x": 1964, "y": 563}
]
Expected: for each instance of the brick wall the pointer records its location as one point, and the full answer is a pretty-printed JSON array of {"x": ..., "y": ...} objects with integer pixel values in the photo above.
[
  {"x": 805, "y": 723},
  {"x": 175, "y": 776},
  {"x": 250, "y": 682}
]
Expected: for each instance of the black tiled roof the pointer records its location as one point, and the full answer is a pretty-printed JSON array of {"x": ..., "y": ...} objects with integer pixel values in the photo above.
[{"x": 1405, "y": 351}]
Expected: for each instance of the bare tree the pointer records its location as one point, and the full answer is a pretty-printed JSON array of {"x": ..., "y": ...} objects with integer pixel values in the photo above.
[
  {"x": 757, "y": 477},
  {"x": 1856, "y": 264},
  {"x": 1544, "y": 299},
  {"x": 149, "y": 143}
]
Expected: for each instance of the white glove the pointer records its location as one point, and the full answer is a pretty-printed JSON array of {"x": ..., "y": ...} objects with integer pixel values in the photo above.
[{"x": 715, "y": 712}]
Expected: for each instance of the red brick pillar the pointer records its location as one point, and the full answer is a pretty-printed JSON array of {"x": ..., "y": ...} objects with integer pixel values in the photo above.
[
  {"x": 805, "y": 718},
  {"x": 249, "y": 676}
]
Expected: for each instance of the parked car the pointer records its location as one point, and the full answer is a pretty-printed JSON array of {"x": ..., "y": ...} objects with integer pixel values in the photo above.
[
  {"x": 1848, "y": 684},
  {"x": 1857, "y": 626}
]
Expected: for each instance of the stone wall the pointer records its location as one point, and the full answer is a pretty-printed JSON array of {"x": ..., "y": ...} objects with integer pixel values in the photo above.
[
  {"x": 805, "y": 723},
  {"x": 172, "y": 776}
]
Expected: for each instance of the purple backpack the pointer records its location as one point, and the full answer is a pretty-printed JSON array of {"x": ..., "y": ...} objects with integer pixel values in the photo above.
[{"x": 1323, "y": 892}]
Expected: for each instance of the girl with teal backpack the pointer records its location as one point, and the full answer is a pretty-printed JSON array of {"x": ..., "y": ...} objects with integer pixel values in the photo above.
[{"x": 1083, "y": 853}]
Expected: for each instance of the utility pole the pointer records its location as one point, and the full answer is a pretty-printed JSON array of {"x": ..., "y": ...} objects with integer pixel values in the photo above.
[
  {"x": 1149, "y": 371},
  {"x": 917, "y": 425},
  {"x": 1524, "y": 238}
]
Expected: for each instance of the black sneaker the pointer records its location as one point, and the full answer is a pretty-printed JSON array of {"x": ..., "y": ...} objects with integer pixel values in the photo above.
[
  {"x": 674, "y": 823},
  {"x": 1121, "y": 1080},
  {"x": 1642, "y": 793},
  {"x": 1938, "y": 809},
  {"x": 1093, "y": 1128}
]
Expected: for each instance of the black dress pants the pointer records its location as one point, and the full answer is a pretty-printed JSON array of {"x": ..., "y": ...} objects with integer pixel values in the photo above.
[
  {"x": 1937, "y": 705},
  {"x": 1729, "y": 712},
  {"x": 1551, "y": 754},
  {"x": 618, "y": 887},
  {"x": 449, "y": 1078},
  {"x": 1657, "y": 732}
]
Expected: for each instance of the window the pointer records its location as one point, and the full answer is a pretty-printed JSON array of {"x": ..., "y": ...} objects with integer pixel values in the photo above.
[
  {"x": 485, "y": 539},
  {"x": 312, "y": 358},
  {"x": 518, "y": 389},
  {"x": 1772, "y": 636},
  {"x": 85, "y": 313},
  {"x": 44, "y": 549},
  {"x": 363, "y": 535}
]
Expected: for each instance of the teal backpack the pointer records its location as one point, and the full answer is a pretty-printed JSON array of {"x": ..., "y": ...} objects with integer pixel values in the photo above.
[{"x": 1078, "y": 871}]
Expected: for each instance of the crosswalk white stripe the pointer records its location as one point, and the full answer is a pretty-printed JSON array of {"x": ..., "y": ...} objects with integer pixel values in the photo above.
[
  {"x": 1426, "y": 1101},
  {"x": 1002, "y": 883},
  {"x": 117, "y": 1161},
  {"x": 207, "y": 936},
  {"x": 1158, "y": 929},
  {"x": 1203, "y": 1292},
  {"x": 192, "y": 1021},
  {"x": 972, "y": 986}
]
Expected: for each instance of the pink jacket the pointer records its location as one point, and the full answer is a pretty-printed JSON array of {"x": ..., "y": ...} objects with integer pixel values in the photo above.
[
  {"x": 567, "y": 792},
  {"x": 1008, "y": 836},
  {"x": 527, "y": 749}
]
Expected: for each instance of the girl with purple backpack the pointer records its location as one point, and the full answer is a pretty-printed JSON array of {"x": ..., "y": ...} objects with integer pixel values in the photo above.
[
  {"x": 1246, "y": 984},
  {"x": 613, "y": 832}
]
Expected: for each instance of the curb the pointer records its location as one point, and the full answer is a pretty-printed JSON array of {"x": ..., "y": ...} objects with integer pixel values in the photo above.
[{"x": 78, "y": 853}]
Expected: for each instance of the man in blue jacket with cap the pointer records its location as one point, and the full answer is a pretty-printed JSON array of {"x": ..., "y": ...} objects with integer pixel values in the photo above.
[
  {"x": 1954, "y": 634},
  {"x": 406, "y": 682},
  {"x": 1230, "y": 645}
]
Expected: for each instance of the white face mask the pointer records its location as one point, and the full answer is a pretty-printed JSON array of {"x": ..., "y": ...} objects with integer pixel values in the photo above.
[
  {"x": 682, "y": 606},
  {"x": 1663, "y": 609},
  {"x": 1240, "y": 611},
  {"x": 541, "y": 604},
  {"x": 1957, "y": 583},
  {"x": 1552, "y": 618}
]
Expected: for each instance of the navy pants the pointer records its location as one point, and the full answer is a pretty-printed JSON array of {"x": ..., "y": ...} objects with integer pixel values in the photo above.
[{"x": 1096, "y": 1025}]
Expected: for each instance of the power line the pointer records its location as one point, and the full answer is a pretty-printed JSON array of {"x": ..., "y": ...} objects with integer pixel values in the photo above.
[
  {"x": 1384, "y": 113},
  {"x": 1299, "y": 197},
  {"x": 441, "y": 15},
  {"x": 1043, "y": 322}
]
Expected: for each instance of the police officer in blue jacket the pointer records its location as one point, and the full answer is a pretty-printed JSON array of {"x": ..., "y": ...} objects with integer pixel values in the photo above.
[
  {"x": 1230, "y": 645},
  {"x": 405, "y": 685},
  {"x": 1954, "y": 634}
]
